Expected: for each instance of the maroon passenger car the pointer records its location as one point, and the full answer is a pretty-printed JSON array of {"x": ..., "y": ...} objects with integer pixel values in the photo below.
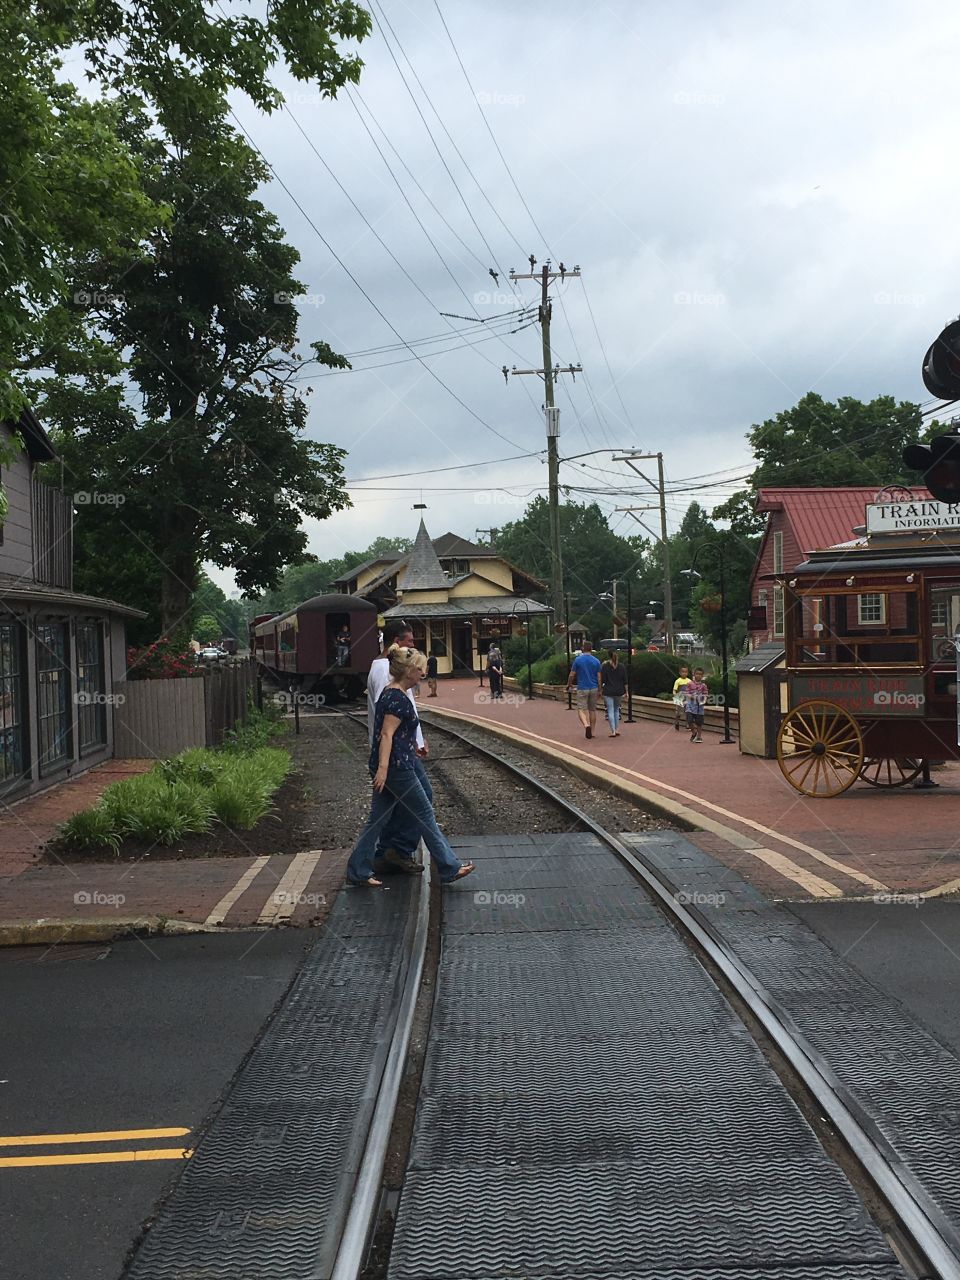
[{"x": 324, "y": 645}]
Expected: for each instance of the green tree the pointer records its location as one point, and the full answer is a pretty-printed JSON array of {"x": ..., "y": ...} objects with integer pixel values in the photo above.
[
  {"x": 199, "y": 446},
  {"x": 819, "y": 443},
  {"x": 207, "y": 629},
  {"x": 71, "y": 187},
  {"x": 592, "y": 553}
]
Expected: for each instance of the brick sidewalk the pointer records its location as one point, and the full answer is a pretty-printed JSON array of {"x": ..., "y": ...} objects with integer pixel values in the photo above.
[
  {"x": 862, "y": 842},
  {"x": 230, "y": 892},
  {"x": 26, "y": 825}
]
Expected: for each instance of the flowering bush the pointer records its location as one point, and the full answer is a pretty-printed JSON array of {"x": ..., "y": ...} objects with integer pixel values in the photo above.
[{"x": 162, "y": 660}]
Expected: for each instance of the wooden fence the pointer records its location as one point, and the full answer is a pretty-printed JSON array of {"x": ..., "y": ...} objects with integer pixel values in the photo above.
[{"x": 159, "y": 718}]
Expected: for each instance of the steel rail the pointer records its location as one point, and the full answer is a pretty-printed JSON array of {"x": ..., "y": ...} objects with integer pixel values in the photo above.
[
  {"x": 362, "y": 1214},
  {"x": 923, "y": 1223}
]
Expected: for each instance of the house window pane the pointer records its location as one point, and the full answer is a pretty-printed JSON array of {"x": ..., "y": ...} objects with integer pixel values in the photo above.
[
  {"x": 778, "y": 611},
  {"x": 53, "y": 695},
  {"x": 778, "y": 553},
  {"x": 91, "y": 704},
  {"x": 13, "y": 705},
  {"x": 871, "y": 608},
  {"x": 438, "y": 639}
]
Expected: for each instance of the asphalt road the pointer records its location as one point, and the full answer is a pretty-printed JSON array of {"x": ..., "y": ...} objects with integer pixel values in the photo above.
[
  {"x": 911, "y": 952},
  {"x": 148, "y": 1036}
]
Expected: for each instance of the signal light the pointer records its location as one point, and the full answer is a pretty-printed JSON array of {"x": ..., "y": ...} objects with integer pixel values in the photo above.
[
  {"x": 941, "y": 364},
  {"x": 939, "y": 461}
]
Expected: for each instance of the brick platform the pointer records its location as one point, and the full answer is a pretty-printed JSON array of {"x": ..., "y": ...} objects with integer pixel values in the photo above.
[{"x": 863, "y": 842}]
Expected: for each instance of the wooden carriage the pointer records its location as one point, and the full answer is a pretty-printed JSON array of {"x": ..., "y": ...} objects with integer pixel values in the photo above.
[{"x": 872, "y": 634}]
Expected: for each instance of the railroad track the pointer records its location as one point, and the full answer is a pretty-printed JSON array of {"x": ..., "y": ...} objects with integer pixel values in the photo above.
[{"x": 923, "y": 1240}]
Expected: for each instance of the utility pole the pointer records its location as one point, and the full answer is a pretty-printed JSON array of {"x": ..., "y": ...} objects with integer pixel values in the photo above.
[
  {"x": 549, "y": 373},
  {"x": 630, "y": 459},
  {"x": 614, "y": 583}
]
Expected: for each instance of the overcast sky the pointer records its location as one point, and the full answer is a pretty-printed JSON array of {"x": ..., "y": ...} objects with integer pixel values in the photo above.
[{"x": 759, "y": 196}]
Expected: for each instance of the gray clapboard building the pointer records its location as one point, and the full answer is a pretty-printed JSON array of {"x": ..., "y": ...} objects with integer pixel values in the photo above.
[{"x": 60, "y": 652}]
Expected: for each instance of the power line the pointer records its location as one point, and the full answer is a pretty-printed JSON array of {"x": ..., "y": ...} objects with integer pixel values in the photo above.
[
  {"x": 462, "y": 466},
  {"x": 330, "y": 249}
]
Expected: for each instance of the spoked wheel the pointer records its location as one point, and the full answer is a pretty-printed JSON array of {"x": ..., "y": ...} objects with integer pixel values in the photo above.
[
  {"x": 820, "y": 749},
  {"x": 886, "y": 771}
]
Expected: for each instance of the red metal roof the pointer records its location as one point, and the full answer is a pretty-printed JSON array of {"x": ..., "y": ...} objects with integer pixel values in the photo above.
[{"x": 821, "y": 518}]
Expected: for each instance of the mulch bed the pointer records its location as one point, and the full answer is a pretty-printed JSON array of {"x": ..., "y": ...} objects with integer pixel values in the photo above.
[{"x": 280, "y": 832}]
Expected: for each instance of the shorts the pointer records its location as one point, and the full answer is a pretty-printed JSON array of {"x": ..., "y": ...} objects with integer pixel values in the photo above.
[
  {"x": 587, "y": 699},
  {"x": 695, "y": 717}
]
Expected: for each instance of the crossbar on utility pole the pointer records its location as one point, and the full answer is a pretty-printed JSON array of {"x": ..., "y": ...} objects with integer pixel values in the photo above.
[
  {"x": 630, "y": 458},
  {"x": 549, "y": 373}
]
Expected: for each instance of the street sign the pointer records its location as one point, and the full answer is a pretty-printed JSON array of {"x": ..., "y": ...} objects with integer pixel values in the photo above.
[
  {"x": 861, "y": 695},
  {"x": 904, "y": 517}
]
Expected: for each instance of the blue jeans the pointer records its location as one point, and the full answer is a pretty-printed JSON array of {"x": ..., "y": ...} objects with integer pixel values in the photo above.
[
  {"x": 403, "y": 791},
  {"x": 613, "y": 712},
  {"x": 401, "y": 832}
]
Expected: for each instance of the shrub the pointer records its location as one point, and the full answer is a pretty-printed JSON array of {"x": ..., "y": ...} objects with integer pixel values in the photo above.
[
  {"x": 514, "y": 652},
  {"x": 261, "y": 728},
  {"x": 91, "y": 830},
  {"x": 184, "y": 795},
  {"x": 715, "y": 685},
  {"x": 163, "y": 660},
  {"x": 654, "y": 673}
]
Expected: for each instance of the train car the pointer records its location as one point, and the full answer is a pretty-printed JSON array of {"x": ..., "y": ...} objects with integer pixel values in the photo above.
[{"x": 323, "y": 646}]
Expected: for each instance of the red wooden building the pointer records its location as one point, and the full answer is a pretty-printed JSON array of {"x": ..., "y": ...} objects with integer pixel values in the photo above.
[{"x": 799, "y": 522}]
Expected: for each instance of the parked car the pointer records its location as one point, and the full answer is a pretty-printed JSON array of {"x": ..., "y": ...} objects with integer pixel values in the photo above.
[{"x": 210, "y": 653}]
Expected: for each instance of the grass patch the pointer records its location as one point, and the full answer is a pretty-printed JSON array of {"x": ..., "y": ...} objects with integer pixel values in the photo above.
[{"x": 188, "y": 794}]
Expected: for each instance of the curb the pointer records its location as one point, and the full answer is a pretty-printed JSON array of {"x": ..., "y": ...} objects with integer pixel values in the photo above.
[{"x": 50, "y": 932}]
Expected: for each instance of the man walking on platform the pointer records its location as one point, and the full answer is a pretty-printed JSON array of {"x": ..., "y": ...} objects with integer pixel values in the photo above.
[
  {"x": 398, "y": 842},
  {"x": 585, "y": 674}
]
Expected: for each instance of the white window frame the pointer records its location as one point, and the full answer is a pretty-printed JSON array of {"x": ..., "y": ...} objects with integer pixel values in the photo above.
[
  {"x": 872, "y": 622},
  {"x": 779, "y": 613},
  {"x": 778, "y": 551}
]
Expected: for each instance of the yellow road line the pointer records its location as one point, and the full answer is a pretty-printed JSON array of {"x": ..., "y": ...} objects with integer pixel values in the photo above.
[
  {"x": 106, "y": 1135},
  {"x": 281, "y": 903},
  {"x": 223, "y": 907},
  {"x": 813, "y": 884},
  {"x": 96, "y": 1157}
]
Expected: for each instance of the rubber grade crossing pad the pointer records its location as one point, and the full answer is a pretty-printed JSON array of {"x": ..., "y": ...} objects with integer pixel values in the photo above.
[
  {"x": 592, "y": 1107},
  {"x": 898, "y": 1078},
  {"x": 265, "y": 1193}
]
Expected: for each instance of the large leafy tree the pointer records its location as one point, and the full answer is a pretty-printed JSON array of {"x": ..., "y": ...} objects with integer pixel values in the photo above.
[
  {"x": 591, "y": 552},
  {"x": 820, "y": 443},
  {"x": 70, "y": 186},
  {"x": 197, "y": 452}
]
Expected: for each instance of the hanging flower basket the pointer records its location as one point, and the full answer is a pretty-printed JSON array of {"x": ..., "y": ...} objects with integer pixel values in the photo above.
[{"x": 711, "y": 604}]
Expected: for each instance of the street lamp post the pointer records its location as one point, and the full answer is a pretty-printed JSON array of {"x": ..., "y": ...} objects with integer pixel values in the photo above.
[
  {"x": 629, "y": 656},
  {"x": 526, "y": 606},
  {"x": 718, "y": 546},
  {"x": 566, "y": 624}
]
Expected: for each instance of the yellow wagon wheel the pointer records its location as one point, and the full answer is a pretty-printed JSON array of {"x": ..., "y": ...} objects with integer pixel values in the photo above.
[
  {"x": 820, "y": 749},
  {"x": 888, "y": 771}
]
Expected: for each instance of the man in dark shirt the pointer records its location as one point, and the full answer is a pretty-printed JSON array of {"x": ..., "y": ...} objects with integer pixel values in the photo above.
[{"x": 432, "y": 675}]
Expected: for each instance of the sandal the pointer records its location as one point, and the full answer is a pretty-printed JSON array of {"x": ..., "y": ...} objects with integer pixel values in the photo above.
[{"x": 464, "y": 871}]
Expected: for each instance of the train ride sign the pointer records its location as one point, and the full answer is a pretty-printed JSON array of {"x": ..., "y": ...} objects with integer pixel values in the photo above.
[
  {"x": 863, "y": 695},
  {"x": 907, "y": 517}
]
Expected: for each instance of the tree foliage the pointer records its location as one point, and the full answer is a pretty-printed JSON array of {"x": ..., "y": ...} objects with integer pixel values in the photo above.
[
  {"x": 198, "y": 443},
  {"x": 299, "y": 582},
  {"x": 819, "y": 443}
]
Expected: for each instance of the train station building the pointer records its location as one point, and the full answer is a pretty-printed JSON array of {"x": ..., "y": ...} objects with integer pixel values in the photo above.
[{"x": 458, "y": 596}]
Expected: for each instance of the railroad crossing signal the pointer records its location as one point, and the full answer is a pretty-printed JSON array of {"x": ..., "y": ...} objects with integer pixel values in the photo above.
[
  {"x": 941, "y": 364},
  {"x": 940, "y": 463}
]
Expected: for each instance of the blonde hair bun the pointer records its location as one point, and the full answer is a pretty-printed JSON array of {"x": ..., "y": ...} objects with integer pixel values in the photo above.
[{"x": 402, "y": 659}]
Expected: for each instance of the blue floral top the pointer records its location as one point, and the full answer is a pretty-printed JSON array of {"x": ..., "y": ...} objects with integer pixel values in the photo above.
[{"x": 394, "y": 702}]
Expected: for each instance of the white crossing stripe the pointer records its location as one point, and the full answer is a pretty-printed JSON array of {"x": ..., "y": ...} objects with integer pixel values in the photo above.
[
  {"x": 224, "y": 906},
  {"x": 287, "y": 894}
]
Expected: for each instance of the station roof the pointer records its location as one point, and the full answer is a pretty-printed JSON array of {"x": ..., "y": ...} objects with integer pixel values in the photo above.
[
  {"x": 470, "y": 607},
  {"x": 823, "y": 517}
]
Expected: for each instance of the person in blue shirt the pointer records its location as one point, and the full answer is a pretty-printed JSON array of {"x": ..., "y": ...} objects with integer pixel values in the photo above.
[
  {"x": 585, "y": 674},
  {"x": 393, "y": 766}
]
